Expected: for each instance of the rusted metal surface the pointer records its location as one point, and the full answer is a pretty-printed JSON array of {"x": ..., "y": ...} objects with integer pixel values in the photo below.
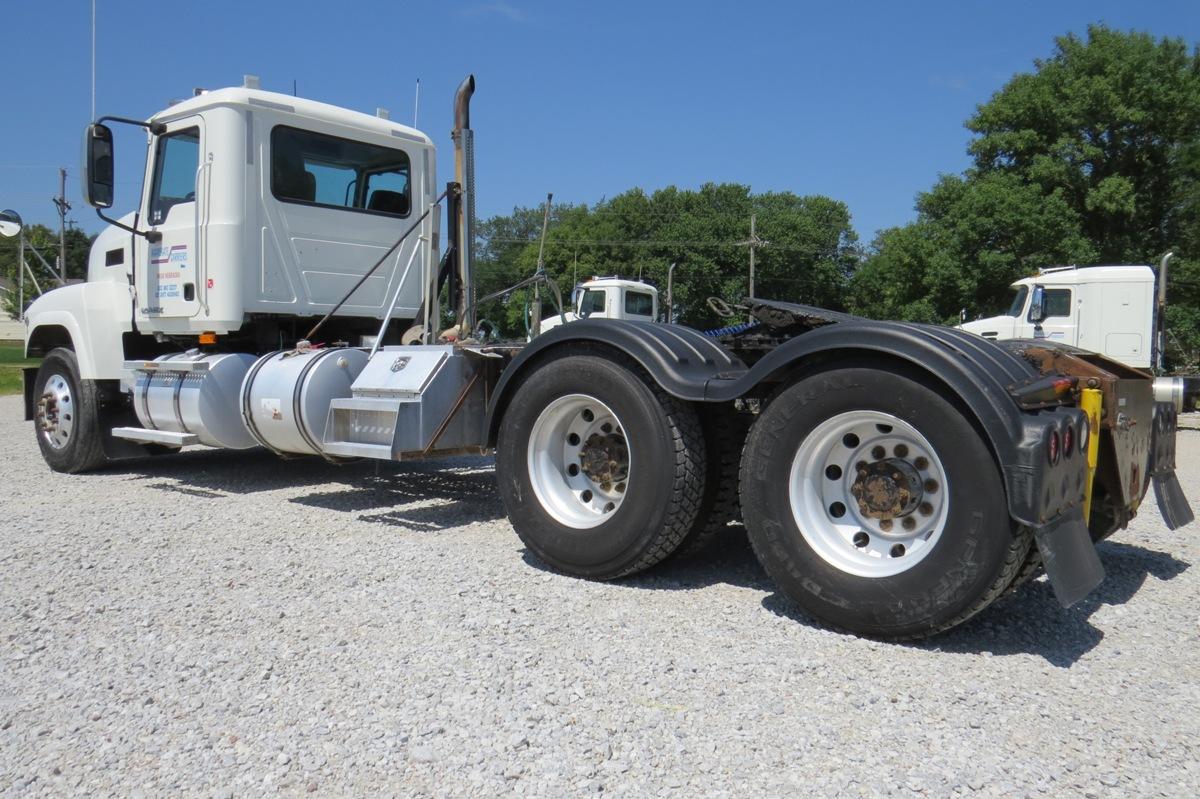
[
  {"x": 1126, "y": 423},
  {"x": 887, "y": 489}
]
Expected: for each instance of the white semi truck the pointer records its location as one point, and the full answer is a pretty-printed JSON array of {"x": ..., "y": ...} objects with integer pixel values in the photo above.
[
  {"x": 282, "y": 283},
  {"x": 1117, "y": 311}
]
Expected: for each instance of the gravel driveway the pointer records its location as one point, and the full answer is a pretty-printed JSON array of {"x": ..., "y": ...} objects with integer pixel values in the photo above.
[{"x": 231, "y": 624}]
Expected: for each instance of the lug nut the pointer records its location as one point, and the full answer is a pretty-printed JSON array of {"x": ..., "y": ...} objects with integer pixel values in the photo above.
[
  {"x": 909, "y": 523},
  {"x": 921, "y": 462},
  {"x": 931, "y": 486},
  {"x": 901, "y": 451},
  {"x": 885, "y": 525}
]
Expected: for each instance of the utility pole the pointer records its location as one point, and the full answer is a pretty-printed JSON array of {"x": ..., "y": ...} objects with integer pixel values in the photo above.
[
  {"x": 63, "y": 206},
  {"x": 754, "y": 242}
]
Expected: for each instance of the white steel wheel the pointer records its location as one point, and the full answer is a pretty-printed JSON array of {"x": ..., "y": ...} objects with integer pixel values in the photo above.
[
  {"x": 54, "y": 414},
  {"x": 868, "y": 493},
  {"x": 579, "y": 461}
]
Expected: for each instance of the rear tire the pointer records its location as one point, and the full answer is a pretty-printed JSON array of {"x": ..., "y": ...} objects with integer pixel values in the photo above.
[
  {"x": 725, "y": 432},
  {"x": 568, "y": 423},
  {"x": 876, "y": 560},
  {"x": 66, "y": 415}
]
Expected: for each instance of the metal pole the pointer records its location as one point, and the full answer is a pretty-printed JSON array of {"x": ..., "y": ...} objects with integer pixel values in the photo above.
[
  {"x": 753, "y": 244},
  {"x": 21, "y": 280},
  {"x": 63, "y": 206},
  {"x": 670, "y": 295}
]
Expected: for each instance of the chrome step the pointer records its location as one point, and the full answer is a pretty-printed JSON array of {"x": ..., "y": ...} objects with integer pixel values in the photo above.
[{"x": 164, "y": 437}]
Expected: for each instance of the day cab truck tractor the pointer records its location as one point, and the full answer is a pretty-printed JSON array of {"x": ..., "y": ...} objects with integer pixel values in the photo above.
[{"x": 281, "y": 285}]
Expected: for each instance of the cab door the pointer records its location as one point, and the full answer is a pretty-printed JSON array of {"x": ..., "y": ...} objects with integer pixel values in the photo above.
[
  {"x": 168, "y": 284},
  {"x": 1059, "y": 321}
]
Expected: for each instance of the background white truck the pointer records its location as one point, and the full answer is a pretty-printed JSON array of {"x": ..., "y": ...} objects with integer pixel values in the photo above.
[
  {"x": 282, "y": 284},
  {"x": 1117, "y": 311}
]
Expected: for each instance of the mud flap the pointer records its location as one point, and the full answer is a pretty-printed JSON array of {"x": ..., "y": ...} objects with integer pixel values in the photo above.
[
  {"x": 1069, "y": 557},
  {"x": 1172, "y": 504}
]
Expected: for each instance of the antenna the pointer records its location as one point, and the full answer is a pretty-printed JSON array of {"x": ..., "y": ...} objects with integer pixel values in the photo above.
[
  {"x": 417, "y": 102},
  {"x": 93, "y": 59},
  {"x": 294, "y": 88}
]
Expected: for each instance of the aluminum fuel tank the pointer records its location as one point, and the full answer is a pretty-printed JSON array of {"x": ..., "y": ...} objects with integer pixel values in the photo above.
[
  {"x": 286, "y": 396},
  {"x": 190, "y": 392}
]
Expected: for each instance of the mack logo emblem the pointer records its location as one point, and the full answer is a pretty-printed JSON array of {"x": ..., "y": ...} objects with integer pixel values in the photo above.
[{"x": 401, "y": 362}]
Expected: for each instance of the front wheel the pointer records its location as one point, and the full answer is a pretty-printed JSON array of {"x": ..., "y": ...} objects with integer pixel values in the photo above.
[
  {"x": 601, "y": 472},
  {"x": 66, "y": 415},
  {"x": 875, "y": 505}
]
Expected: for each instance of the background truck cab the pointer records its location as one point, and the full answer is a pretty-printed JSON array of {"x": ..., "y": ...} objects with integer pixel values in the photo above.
[{"x": 1105, "y": 309}]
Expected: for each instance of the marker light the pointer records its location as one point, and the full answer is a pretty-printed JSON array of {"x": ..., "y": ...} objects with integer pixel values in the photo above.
[{"x": 1053, "y": 447}]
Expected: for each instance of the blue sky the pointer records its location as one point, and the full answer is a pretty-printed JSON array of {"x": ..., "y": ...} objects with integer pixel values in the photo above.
[{"x": 863, "y": 102}]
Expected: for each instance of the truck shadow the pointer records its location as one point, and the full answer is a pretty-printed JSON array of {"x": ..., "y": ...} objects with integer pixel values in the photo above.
[
  {"x": 427, "y": 495},
  {"x": 1030, "y": 620},
  {"x": 728, "y": 561}
]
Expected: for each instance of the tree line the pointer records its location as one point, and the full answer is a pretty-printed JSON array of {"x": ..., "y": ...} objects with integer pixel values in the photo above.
[{"x": 1092, "y": 157}]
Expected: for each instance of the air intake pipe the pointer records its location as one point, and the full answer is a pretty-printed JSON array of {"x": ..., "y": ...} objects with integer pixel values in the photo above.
[{"x": 464, "y": 175}]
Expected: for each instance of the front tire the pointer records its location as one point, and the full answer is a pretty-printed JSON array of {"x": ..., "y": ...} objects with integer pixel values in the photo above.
[
  {"x": 66, "y": 415},
  {"x": 601, "y": 472},
  {"x": 876, "y": 506}
]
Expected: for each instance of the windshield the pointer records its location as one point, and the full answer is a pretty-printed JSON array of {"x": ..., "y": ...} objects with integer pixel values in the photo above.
[{"x": 1018, "y": 303}]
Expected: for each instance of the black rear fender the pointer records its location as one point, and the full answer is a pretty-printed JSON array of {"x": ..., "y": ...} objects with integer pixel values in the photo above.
[{"x": 975, "y": 372}]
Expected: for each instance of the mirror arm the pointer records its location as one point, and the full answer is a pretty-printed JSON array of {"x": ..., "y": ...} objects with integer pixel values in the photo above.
[
  {"x": 152, "y": 236},
  {"x": 154, "y": 127}
]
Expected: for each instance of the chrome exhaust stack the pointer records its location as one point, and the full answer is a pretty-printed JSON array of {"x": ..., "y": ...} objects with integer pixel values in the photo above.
[{"x": 464, "y": 175}]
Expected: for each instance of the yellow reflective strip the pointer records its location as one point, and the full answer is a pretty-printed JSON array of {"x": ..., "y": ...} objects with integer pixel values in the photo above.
[{"x": 1091, "y": 403}]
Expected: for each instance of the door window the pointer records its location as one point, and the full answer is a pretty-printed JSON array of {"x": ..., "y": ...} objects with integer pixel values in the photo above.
[
  {"x": 592, "y": 302},
  {"x": 1057, "y": 302},
  {"x": 177, "y": 156}
]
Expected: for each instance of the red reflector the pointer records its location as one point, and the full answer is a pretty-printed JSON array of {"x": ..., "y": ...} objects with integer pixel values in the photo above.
[
  {"x": 1068, "y": 442},
  {"x": 1052, "y": 447}
]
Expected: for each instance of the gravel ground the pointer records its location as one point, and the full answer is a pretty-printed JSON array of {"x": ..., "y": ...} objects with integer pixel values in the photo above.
[{"x": 230, "y": 624}]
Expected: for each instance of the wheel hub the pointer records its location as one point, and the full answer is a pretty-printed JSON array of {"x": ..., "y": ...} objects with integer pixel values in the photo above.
[
  {"x": 887, "y": 489},
  {"x": 604, "y": 458},
  {"x": 579, "y": 460},
  {"x": 868, "y": 493},
  {"x": 54, "y": 415}
]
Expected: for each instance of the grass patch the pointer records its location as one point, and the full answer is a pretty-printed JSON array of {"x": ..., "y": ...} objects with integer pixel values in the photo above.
[{"x": 12, "y": 359}]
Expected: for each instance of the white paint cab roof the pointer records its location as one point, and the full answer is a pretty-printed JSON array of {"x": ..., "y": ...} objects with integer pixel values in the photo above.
[
  {"x": 1091, "y": 274},
  {"x": 308, "y": 109}
]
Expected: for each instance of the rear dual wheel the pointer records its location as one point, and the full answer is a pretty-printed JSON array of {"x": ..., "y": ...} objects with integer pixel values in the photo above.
[
  {"x": 601, "y": 472},
  {"x": 874, "y": 503}
]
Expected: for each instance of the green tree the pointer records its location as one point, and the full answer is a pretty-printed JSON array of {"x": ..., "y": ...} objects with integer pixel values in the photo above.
[
  {"x": 1092, "y": 157},
  {"x": 811, "y": 251}
]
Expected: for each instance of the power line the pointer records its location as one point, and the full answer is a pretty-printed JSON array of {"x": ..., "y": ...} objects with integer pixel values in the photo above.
[{"x": 654, "y": 243}]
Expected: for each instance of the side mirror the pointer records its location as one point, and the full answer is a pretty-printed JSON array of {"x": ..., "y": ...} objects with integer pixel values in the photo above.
[
  {"x": 98, "y": 166},
  {"x": 10, "y": 223},
  {"x": 1037, "y": 311}
]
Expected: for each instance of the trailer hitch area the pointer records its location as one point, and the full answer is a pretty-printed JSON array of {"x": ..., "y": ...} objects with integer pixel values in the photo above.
[
  {"x": 1069, "y": 556},
  {"x": 1172, "y": 504}
]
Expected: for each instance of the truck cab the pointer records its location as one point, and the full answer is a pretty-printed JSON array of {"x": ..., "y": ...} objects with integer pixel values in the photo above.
[
  {"x": 258, "y": 210},
  {"x": 1105, "y": 309},
  {"x": 609, "y": 298}
]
